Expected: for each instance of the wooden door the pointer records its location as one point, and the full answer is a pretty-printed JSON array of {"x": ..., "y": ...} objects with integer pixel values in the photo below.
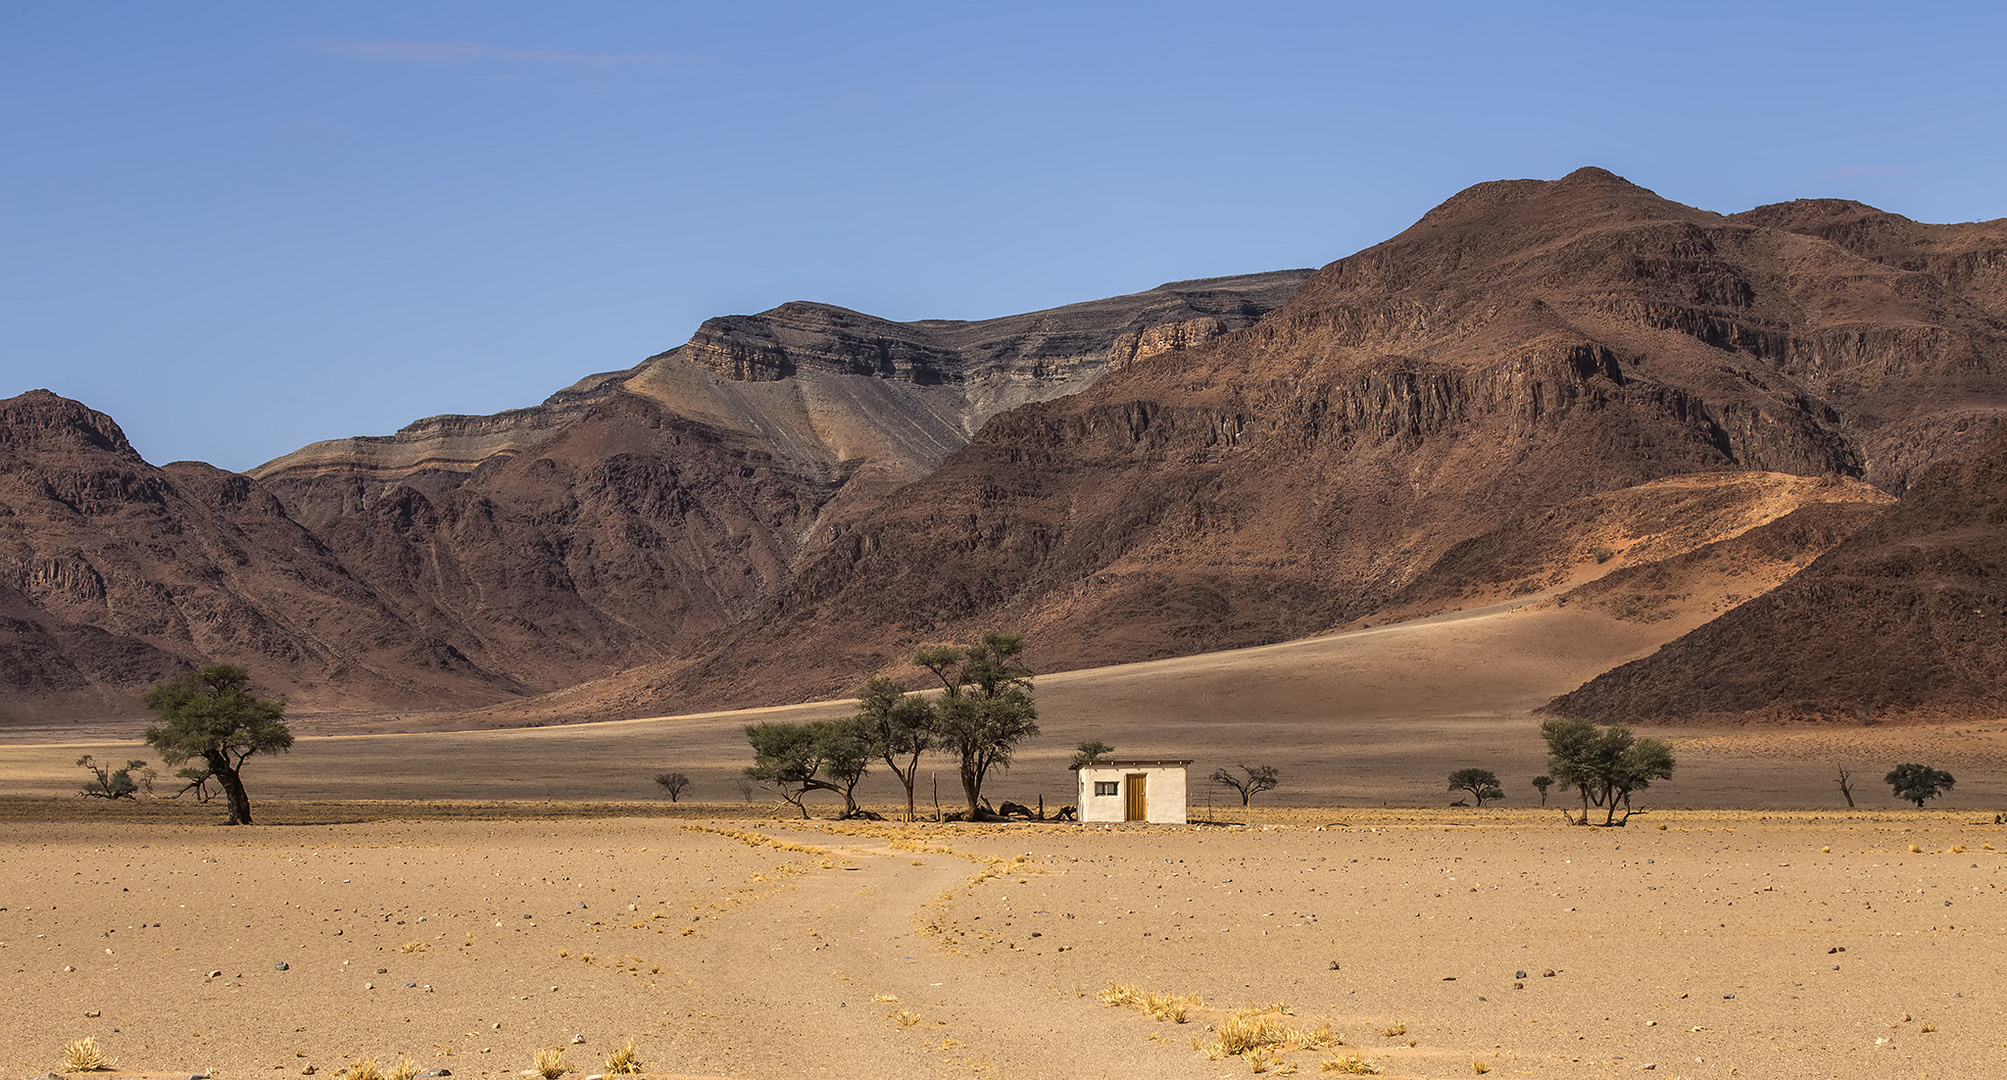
[{"x": 1139, "y": 800}]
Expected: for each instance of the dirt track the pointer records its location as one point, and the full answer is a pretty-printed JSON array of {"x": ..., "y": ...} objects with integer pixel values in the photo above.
[{"x": 767, "y": 949}]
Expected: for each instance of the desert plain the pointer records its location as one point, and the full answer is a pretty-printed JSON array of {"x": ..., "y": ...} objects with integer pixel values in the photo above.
[{"x": 462, "y": 900}]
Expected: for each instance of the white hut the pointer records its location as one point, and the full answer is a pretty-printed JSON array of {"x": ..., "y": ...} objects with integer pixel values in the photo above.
[{"x": 1123, "y": 790}]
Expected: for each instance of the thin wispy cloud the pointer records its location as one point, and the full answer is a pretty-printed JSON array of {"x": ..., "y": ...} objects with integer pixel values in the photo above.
[{"x": 458, "y": 53}]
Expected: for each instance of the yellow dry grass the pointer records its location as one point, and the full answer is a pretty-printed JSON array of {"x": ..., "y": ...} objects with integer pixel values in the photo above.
[
  {"x": 550, "y": 1064},
  {"x": 84, "y": 1055},
  {"x": 623, "y": 1061}
]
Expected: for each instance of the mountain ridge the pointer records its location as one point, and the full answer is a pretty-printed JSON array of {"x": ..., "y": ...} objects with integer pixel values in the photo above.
[{"x": 792, "y": 501}]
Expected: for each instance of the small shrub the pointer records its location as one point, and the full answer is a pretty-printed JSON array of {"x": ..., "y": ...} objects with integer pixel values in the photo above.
[
  {"x": 405, "y": 1069},
  {"x": 110, "y": 783},
  {"x": 415, "y": 946},
  {"x": 84, "y": 1055},
  {"x": 1602, "y": 554},
  {"x": 363, "y": 1069}
]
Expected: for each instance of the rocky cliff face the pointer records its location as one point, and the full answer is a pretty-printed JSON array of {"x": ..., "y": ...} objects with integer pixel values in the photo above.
[{"x": 947, "y": 376}]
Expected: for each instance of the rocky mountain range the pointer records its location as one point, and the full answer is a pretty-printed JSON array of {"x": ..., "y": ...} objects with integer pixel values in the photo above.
[
  {"x": 791, "y": 502},
  {"x": 470, "y": 559}
]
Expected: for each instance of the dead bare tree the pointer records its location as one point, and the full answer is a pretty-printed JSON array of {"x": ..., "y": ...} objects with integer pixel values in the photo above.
[
  {"x": 1847, "y": 787},
  {"x": 674, "y": 783},
  {"x": 1254, "y": 780}
]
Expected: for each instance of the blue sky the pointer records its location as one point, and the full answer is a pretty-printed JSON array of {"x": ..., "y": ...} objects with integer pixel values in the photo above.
[{"x": 239, "y": 227}]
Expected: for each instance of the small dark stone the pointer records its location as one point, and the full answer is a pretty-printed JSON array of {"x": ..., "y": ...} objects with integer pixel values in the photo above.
[
  {"x": 1728, "y": 997},
  {"x": 1518, "y": 974},
  {"x": 281, "y": 966}
]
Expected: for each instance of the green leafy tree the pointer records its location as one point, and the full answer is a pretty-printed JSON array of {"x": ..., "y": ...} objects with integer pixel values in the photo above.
[
  {"x": 1543, "y": 782},
  {"x": 986, "y": 707},
  {"x": 1915, "y": 783},
  {"x": 1089, "y": 751},
  {"x": 1481, "y": 783},
  {"x": 826, "y": 755},
  {"x": 1606, "y": 765},
  {"x": 900, "y": 727},
  {"x": 212, "y": 716},
  {"x": 110, "y": 783}
]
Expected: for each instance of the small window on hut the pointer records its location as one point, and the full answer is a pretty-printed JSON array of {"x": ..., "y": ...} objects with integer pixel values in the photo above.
[{"x": 1107, "y": 787}]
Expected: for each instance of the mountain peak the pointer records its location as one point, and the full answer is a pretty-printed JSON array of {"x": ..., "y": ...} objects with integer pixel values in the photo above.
[{"x": 42, "y": 420}]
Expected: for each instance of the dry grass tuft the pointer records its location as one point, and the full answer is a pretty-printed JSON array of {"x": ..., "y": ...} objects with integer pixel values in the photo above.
[
  {"x": 405, "y": 1069},
  {"x": 1350, "y": 1066},
  {"x": 884, "y": 999},
  {"x": 1121, "y": 994},
  {"x": 415, "y": 946},
  {"x": 550, "y": 1064},
  {"x": 1266, "y": 1027},
  {"x": 1395, "y": 1031},
  {"x": 623, "y": 1061},
  {"x": 903, "y": 1018},
  {"x": 1173, "y": 1007},
  {"x": 84, "y": 1055},
  {"x": 1156, "y": 1005},
  {"x": 1479, "y": 1067},
  {"x": 1249, "y": 1029},
  {"x": 363, "y": 1069},
  {"x": 1265, "y": 1060}
]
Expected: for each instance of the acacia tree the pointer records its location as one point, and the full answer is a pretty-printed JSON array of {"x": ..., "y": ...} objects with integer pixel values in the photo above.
[
  {"x": 1606, "y": 765},
  {"x": 1254, "y": 780},
  {"x": 1543, "y": 782},
  {"x": 985, "y": 708},
  {"x": 1914, "y": 783},
  {"x": 900, "y": 727},
  {"x": 1090, "y": 750},
  {"x": 826, "y": 755},
  {"x": 1481, "y": 783},
  {"x": 212, "y": 716}
]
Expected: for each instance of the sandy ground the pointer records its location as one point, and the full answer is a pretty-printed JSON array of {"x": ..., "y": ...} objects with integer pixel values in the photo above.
[
  {"x": 1725, "y": 944},
  {"x": 464, "y": 899}
]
